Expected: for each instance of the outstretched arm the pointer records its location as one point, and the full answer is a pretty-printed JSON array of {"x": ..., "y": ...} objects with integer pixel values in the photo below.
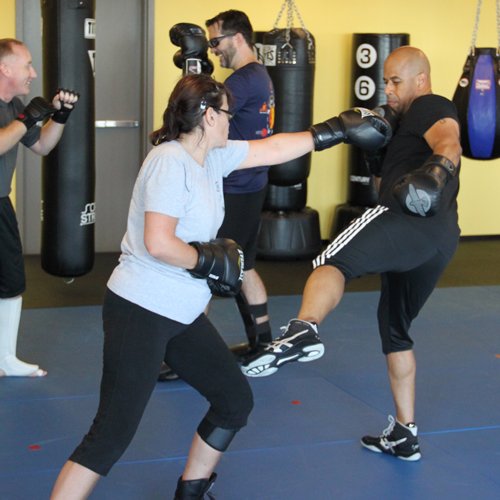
[
  {"x": 360, "y": 127},
  {"x": 278, "y": 148}
]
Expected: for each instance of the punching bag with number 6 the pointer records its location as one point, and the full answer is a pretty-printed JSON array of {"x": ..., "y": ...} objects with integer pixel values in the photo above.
[
  {"x": 68, "y": 171},
  {"x": 370, "y": 50}
]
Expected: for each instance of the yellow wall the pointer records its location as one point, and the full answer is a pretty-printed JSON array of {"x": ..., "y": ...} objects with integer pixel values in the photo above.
[
  {"x": 7, "y": 19},
  {"x": 442, "y": 28},
  {"x": 8, "y": 30}
]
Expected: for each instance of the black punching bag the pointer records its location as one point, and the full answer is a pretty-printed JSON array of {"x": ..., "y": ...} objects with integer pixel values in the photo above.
[
  {"x": 291, "y": 66},
  {"x": 68, "y": 172},
  {"x": 369, "y": 52},
  {"x": 289, "y": 229}
]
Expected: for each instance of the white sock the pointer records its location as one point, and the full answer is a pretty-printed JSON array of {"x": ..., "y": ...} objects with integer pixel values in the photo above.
[{"x": 10, "y": 315}]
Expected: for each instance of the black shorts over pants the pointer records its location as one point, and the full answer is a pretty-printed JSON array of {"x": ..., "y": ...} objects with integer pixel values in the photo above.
[
  {"x": 410, "y": 263},
  {"x": 12, "y": 277}
]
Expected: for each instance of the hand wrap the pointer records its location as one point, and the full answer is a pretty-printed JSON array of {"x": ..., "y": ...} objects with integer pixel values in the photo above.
[{"x": 62, "y": 115}]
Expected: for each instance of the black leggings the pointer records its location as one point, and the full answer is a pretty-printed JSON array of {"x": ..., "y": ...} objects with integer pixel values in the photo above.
[{"x": 135, "y": 341}]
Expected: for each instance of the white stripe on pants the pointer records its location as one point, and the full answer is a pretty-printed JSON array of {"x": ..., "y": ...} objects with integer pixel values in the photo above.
[{"x": 348, "y": 234}]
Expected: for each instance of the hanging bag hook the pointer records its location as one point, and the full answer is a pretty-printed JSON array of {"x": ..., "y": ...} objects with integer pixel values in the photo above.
[{"x": 476, "y": 27}]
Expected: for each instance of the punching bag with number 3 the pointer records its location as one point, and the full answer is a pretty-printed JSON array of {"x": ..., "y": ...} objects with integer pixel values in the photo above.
[
  {"x": 369, "y": 54},
  {"x": 370, "y": 50},
  {"x": 68, "y": 171}
]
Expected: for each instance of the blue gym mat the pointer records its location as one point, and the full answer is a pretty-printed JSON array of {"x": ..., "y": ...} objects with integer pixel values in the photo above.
[{"x": 302, "y": 440}]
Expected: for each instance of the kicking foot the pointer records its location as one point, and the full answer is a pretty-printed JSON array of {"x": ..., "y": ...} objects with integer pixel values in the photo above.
[{"x": 300, "y": 342}]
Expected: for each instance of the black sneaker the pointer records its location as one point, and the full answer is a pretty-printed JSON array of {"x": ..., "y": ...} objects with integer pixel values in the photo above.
[
  {"x": 244, "y": 352},
  {"x": 398, "y": 440},
  {"x": 299, "y": 342},
  {"x": 166, "y": 373},
  {"x": 195, "y": 489}
]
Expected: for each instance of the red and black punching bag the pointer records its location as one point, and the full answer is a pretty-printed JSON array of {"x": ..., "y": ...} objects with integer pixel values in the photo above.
[{"x": 68, "y": 172}]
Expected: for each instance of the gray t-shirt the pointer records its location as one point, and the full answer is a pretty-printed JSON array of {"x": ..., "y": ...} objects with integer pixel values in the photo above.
[
  {"x": 170, "y": 182},
  {"x": 8, "y": 112}
]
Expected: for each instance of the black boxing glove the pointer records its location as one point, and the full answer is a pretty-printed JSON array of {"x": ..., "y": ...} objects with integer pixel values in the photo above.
[
  {"x": 193, "y": 54},
  {"x": 375, "y": 158},
  {"x": 37, "y": 110},
  {"x": 419, "y": 193},
  {"x": 360, "y": 127},
  {"x": 392, "y": 117},
  {"x": 220, "y": 262},
  {"x": 61, "y": 115}
]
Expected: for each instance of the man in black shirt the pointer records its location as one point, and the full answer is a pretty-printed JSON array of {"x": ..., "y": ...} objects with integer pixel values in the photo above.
[{"x": 409, "y": 238}]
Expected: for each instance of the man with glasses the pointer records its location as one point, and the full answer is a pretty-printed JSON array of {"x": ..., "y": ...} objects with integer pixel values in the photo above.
[{"x": 252, "y": 108}]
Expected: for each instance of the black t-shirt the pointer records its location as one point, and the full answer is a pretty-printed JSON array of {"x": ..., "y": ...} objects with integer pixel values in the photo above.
[{"x": 408, "y": 150}]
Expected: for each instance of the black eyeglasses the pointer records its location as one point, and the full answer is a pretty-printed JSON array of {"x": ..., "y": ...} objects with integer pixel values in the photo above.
[
  {"x": 229, "y": 115},
  {"x": 214, "y": 42}
]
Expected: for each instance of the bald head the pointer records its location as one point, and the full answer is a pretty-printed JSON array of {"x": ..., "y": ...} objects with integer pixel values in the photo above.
[
  {"x": 407, "y": 76},
  {"x": 411, "y": 59}
]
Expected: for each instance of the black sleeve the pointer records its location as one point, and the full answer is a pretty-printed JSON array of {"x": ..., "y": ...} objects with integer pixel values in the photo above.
[{"x": 427, "y": 110}]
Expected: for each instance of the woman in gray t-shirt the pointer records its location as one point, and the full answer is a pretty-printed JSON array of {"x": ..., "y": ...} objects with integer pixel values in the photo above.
[{"x": 155, "y": 300}]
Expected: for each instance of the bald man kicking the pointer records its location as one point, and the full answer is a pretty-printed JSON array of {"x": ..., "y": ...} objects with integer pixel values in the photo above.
[{"x": 408, "y": 238}]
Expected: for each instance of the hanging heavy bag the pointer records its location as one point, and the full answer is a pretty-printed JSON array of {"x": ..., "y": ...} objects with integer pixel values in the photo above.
[
  {"x": 477, "y": 98},
  {"x": 68, "y": 171},
  {"x": 370, "y": 50},
  {"x": 287, "y": 188},
  {"x": 289, "y": 229},
  {"x": 289, "y": 56}
]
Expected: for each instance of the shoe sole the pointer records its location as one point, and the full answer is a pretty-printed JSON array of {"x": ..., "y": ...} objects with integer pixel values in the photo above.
[
  {"x": 411, "y": 458},
  {"x": 267, "y": 364}
]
